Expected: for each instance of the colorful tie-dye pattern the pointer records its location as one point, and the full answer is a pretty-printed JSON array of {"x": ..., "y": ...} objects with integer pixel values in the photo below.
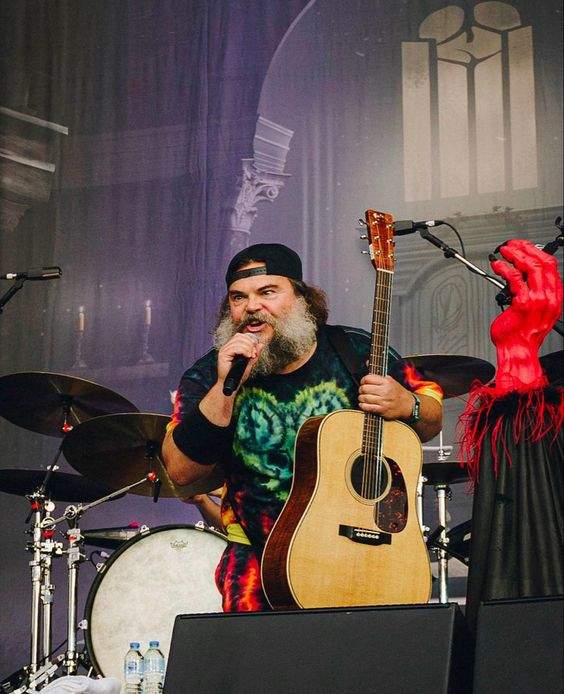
[{"x": 268, "y": 413}]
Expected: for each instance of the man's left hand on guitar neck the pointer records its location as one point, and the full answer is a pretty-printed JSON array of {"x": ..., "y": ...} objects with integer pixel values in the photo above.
[{"x": 383, "y": 395}]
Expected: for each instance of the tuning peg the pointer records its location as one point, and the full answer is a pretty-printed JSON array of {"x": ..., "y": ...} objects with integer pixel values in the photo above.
[
  {"x": 363, "y": 237},
  {"x": 364, "y": 252},
  {"x": 362, "y": 222}
]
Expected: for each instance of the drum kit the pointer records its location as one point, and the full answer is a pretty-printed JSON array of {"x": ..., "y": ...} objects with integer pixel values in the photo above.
[
  {"x": 117, "y": 451},
  {"x": 138, "y": 590}
]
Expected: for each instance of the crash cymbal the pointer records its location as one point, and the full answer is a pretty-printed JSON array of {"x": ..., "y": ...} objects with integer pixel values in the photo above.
[
  {"x": 114, "y": 449},
  {"x": 42, "y": 402},
  {"x": 110, "y": 538},
  {"x": 62, "y": 486},
  {"x": 553, "y": 366},
  {"x": 444, "y": 473},
  {"x": 454, "y": 373}
]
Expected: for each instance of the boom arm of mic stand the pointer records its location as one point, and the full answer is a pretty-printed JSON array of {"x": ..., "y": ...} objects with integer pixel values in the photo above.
[
  {"x": 74, "y": 512},
  {"x": 451, "y": 253},
  {"x": 14, "y": 289}
]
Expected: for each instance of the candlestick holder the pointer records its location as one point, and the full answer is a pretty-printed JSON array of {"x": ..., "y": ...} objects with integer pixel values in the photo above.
[
  {"x": 146, "y": 358},
  {"x": 79, "y": 362}
]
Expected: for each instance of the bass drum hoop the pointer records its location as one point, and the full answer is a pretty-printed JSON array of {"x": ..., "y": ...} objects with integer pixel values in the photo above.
[{"x": 107, "y": 566}]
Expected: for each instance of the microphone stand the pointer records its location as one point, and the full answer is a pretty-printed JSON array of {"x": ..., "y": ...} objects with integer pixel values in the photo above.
[
  {"x": 14, "y": 289},
  {"x": 451, "y": 253}
]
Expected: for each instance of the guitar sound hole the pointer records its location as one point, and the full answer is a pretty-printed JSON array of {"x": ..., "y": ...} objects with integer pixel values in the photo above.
[{"x": 367, "y": 480}]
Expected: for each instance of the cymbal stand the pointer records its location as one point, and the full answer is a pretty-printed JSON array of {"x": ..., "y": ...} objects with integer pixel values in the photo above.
[
  {"x": 442, "y": 490},
  {"x": 36, "y": 500},
  {"x": 75, "y": 558},
  {"x": 443, "y": 453}
]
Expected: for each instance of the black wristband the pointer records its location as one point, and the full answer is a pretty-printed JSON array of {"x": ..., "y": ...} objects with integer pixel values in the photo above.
[
  {"x": 416, "y": 412},
  {"x": 201, "y": 440}
]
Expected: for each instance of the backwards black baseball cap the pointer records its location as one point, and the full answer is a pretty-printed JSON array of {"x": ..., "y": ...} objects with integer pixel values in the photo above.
[{"x": 277, "y": 258}]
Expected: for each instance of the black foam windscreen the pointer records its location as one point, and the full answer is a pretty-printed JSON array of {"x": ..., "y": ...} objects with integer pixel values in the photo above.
[
  {"x": 383, "y": 649},
  {"x": 519, "y": 646}
]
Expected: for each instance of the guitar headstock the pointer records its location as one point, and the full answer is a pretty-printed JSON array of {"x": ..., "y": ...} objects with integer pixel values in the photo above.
[{"x": 380, "y": 233}]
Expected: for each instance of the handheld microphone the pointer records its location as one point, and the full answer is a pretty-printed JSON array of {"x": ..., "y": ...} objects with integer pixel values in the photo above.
[
  {"x": 238, "y": 366},
  {"x": 35, "y": 274}
]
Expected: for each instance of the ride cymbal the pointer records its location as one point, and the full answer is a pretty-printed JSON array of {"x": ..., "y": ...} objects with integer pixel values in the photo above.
[
  {"x": 454, "y": 373},
  {"x": 43, "y": 402},
  {"x": 62, "y": 486},
  {"x": 120, "y": 449}
]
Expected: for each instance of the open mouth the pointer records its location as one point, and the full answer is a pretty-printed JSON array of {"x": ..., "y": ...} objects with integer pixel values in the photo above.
[{"x": 255, "y": 326}]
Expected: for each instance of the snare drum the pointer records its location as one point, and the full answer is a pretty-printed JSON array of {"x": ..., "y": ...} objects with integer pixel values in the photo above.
[{"x": 141, "y": 588}]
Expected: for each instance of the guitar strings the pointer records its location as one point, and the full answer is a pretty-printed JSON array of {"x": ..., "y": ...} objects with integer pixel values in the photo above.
[{"x": 373, "y": 424}]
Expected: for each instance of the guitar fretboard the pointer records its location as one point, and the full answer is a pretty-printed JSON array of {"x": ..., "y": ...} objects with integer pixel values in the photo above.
[{"x": 377, "y": 364}]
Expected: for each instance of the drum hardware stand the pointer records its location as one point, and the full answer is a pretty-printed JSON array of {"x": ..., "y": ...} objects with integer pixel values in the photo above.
[
  {"x": 433, "y": 541},
  {"x": 76, "y": 557},
  {"x": 43, "y": 549},
  {"x": 442, "y": 490},
  {"x": 443, "y": 452}
]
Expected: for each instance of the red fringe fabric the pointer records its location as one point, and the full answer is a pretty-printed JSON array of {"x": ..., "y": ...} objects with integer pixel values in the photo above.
[{"x": 532, "y": 414}]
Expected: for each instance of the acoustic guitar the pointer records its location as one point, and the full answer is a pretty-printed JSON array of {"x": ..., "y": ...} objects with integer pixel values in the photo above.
[{"x": 349, "y": 534}]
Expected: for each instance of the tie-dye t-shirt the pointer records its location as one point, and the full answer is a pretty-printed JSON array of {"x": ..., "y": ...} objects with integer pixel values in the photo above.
[{"x": 268, "y": 413}]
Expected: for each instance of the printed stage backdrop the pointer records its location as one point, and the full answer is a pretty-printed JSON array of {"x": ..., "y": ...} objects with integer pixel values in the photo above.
[{"x": 144, "y": 141}]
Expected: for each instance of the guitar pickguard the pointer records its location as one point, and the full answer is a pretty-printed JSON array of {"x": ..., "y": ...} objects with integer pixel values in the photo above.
[{"x": 391, "y": 512}]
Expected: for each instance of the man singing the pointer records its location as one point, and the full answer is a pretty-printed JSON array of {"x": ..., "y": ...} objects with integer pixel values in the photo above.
[{"x": 294, "y": 372}]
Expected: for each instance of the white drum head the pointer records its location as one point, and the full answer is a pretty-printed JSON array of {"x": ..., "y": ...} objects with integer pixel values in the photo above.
[{"x": 144, "y": 585}]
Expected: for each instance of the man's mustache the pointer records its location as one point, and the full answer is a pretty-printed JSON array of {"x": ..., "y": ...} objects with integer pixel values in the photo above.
[{"x": 260, "y": 317}]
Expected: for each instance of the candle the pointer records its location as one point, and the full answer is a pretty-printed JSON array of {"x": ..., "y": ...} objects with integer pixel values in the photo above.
[
  {"x": 81, "y": 319},
  {"x": 148, "y": 312}
]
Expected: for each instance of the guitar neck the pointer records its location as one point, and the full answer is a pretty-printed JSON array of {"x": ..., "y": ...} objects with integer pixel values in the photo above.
[{"x": 378, "y": 359}]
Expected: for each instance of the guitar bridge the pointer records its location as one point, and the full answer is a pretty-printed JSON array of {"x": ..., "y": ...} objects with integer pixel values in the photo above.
[{"x": 365, "y": 536}]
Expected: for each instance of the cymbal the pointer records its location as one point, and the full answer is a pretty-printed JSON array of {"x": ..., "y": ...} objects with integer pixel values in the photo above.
[
  {"x": 62, "y": 486},
  {"x": 110, "y": 538},
  {"x": 454, "y": 373},
  {"x": 553, "y": 366},
  {"x": 444, "y": 473},
  {"x": 41, "y": 401},
  {"x": 114, "y": 450}
]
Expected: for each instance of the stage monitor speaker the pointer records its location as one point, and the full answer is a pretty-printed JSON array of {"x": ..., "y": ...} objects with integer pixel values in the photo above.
[
  {"x": 520, "y": 646},
  {"x": 405, "y": 649}
]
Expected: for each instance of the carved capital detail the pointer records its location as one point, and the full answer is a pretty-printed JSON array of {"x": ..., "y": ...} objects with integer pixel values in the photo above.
[{"x": 254, "y": 186}]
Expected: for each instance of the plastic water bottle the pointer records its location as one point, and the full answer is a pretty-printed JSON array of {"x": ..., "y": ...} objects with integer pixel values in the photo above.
[
  {"x": 154, "y": 671},
  {"x": 133, "y": 669}
]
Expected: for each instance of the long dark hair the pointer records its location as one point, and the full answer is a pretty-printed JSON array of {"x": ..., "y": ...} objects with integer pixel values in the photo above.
[{"x": 316, "y": 301}]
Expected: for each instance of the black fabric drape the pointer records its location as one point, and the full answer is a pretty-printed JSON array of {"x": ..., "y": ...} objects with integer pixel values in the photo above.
[{"x": 518, "y": 522}]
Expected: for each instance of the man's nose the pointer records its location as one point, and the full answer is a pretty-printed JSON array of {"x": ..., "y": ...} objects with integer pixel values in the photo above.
[{"x": 253, "y": 304}]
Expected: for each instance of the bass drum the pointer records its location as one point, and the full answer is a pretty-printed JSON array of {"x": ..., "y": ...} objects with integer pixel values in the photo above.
[{"x": 141, "y": 588}]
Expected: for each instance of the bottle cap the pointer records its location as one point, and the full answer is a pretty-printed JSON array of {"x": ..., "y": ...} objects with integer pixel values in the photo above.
[
  {"x": 153, "y": 644},
  {"x": 134, "y": 644}
]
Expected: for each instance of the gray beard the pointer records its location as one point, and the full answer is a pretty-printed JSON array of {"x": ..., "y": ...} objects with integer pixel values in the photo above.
[{"x": 294, "y": 335}]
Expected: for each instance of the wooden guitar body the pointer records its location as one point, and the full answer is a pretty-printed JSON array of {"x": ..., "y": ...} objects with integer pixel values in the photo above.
[{"x": 326, "y": 549}]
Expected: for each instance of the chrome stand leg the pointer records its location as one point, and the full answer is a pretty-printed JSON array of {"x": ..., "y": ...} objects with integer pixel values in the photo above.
[
  {"x": 47, "y": 589},
  {"x": 441, "y": 491},
  {"x": 35, "y": 565},
  {"x": 75, "y": 557}
]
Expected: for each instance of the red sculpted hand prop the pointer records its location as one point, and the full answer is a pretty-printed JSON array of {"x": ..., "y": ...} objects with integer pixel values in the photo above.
[{"x": 535, "y": 285}]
